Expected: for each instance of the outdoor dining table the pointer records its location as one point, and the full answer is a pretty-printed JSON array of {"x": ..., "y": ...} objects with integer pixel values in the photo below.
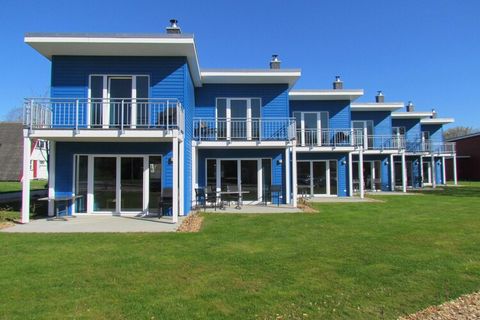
[
  {"x": 59, "y": 199},
  {"x": 239, "y": 197}
]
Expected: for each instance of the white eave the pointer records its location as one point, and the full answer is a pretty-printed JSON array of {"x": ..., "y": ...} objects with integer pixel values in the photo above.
[
  {"x": 386, "y": 106},
  {"x": 72, "y": 44},
  {"x": 411, "y": 115},
  {"x": 319, "y": 95},
  {"x": 263, "y": 76},
  {"x": 437, "y": 121}
]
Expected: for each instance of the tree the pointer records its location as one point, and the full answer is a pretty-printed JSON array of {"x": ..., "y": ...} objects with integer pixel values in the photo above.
[
  {"x": 14, "y": 115},
  {"x": 457, "y": 132}
]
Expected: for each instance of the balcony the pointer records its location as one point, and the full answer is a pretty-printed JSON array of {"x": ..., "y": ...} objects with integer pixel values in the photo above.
[
  {"x": 329, "y": 137},
  {"x": 428, "y": 146},
  {"x": 117, "y": 114},
  {"x": 383, "y": 142},
  {"x": 243, "y": 129}
]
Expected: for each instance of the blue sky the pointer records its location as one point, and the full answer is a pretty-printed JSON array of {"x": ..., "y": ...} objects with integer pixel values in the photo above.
[{"x": 426, "y": 51}]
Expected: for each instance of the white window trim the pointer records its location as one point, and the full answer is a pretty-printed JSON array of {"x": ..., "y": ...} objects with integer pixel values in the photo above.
[
  {"x": 328, "y": 177},
  {"x": 228, "y": 113},
  {"x": 319, "y": 125}
]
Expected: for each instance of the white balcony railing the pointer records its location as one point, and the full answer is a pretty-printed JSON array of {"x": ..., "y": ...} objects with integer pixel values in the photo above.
[
  {"x": 384, "y": 142},
  {"x": 257, "y": 129},
  {"x": 330, "y": 137},
  {"x": 120, "y": 114}
]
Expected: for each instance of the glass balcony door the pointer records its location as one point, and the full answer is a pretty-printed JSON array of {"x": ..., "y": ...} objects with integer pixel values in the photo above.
[
  {"x": 120, "y": 94},
  {"x": 317, "y": 178},
  {"x": 238, "y": 118}
]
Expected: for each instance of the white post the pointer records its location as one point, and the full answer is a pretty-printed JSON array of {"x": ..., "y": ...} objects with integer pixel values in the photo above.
[
  {"x": 175, "y": 180},
  {"x": 90, "y": 184},
  {"x": 27, "y": 144},
  {"x": 455, "y": 169},
  {"x": 194, "y": 173},
  {"x": 287, "y": 175},
  {"x": 404, "y": 173},
  {"x": 350, "y": 175},
  {"x": 392, "y": 172},
  {"x": 146, "y": 185},
  {"x": 133, "y": 104},
  {"x": 181, "y": 183},
  {"x": 421, "y": 172},
  {"x": 434, "y": 172},
  {"x": 294, "y": 174},
  {"x": 444, "y": 173},
  {"x": 51, "y": 177},
  {"x": 360, "y": 173}
]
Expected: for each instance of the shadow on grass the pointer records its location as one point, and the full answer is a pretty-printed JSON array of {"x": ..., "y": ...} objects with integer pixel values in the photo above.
[{"x": 467, "y": 192}]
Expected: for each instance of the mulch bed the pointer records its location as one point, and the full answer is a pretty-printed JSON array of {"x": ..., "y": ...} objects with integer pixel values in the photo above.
[
  {"x": 466, "y": 307},
  {"x": 192, "y": 223}
]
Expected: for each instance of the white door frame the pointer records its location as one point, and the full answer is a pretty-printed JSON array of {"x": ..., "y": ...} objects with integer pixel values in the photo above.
[
  {"x": 228, "y": 114},
  {"x": 327, "y": 177}
]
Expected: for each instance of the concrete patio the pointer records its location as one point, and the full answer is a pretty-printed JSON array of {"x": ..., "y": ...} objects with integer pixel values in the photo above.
[
  {"x": 82, "y": 224},
  {"x": 255, "y": 209}
]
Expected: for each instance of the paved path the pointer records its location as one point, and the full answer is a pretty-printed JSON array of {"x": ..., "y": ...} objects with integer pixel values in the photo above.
[{"x": 97, "y": 224}]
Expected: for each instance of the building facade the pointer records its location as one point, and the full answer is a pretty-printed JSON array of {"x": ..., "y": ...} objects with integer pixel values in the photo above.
[
  {"x": 468, "y": 158},
  {"x": 134, "y": 120}
]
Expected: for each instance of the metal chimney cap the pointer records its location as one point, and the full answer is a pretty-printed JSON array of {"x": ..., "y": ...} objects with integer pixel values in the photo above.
[
  {"x": 173, "y": 23},
  {"x": 337, "y": 79},
  {"x": 379, "y": 93},
  {"x": 275, "y": 58}
]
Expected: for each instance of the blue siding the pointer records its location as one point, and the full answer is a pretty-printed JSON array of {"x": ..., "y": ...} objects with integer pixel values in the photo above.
[
  {"x": 278, "y": 170},
  {"x": 65, "y": 152},
  {"x": 385, "y": 173},
  {"x": 342, "y": 167},
  {"x": 412, "y": 128},
  {"x": 339, "y": 111},
  {"x": 417, "y": 175},
  {"x": 438, "y": 171},
  {"x": 274, "y": 98},
  {"x": 70, "y": 76},
  {"x": 382, "y": 121}
]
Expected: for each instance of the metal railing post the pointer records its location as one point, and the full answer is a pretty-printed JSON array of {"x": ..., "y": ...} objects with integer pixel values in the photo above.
[
  {"x": 76, "y": 115},
  {"x": 121, "y": 116}
]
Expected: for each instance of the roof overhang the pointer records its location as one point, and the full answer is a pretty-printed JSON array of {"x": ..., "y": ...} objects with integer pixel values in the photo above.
[
  {"x": 437, "y": 121},
  {"x": 320, "y": 95},
  {"x": 411, "y": 115},
  {"x": 388, "y": 106},
  {"x": 267, "y": 76},
  {"x": 85, "y": 44}
]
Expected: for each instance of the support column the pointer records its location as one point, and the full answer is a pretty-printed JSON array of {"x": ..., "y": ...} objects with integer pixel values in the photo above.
[
  {"x": 27, "y": 145},
  {"x": 421, "y": 172},
  {"x": 350, "y": 175},
  {"x": 287, "y": 175},
  {"x": 360, "y": 173},
  {"x": 294, "y": 175},
  {"x": 181, "y": 179},
  {"x": 392, "y": 172},
  {"x": 444, "y": 173},
  {"x": 404, "y": 173},
  {"x": 194, "y": 174},
  {"x": 175, "y": 180},
  {"x": 51, "y": 177},
  {"x": 434, "y": 172},
  {"x": 455, "y": 182}
]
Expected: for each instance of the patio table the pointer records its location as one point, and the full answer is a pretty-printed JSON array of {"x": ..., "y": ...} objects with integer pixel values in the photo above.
[
  {"x": 239, "y": 197},
  {"x": 60, "y": 199}
]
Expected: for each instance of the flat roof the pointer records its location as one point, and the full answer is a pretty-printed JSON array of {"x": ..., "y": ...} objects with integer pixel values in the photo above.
[
  {"x": 319, "y": 95},
  {"x": 375, "y": 106},
  {"x": 274, "y": 76},
  {"x": 117, "y": 44},
  {"x": 471, "y": 135},
  {"x": 437, "y": 120},
  {"x": 411, "y": 115}
]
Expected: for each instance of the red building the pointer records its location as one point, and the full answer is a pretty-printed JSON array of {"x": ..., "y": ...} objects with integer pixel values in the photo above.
[{"x": 468, "y": 158}]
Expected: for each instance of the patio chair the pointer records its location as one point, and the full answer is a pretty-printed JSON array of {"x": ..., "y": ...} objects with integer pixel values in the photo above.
[
  {"x": 212, "y": 196},
  {"x": 166, "y": 201},
  {"x": 200, "y": 197},
  {"x": 276, "y": 189}
]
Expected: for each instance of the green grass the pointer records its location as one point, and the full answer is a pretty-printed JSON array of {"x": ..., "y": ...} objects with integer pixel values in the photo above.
[
  {"x": 348, "y": 261},
  {"x": 12, "y": 186}
]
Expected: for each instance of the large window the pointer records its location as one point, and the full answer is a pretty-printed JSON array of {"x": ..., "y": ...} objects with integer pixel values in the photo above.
[
  {"x": 238, "y": 118},
  {"x": 310, "y": 126}
]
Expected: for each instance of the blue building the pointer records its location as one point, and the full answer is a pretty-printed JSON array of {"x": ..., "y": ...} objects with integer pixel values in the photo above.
[{"x": 136, "y": 127}]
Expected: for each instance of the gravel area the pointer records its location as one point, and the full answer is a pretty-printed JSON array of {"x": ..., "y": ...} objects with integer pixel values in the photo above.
[
  {"x": 466, "y": 307},
  {"x": 192, "y": 223}
]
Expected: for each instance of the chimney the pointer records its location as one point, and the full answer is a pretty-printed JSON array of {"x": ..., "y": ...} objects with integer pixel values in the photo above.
[
  {"x": 275, "y": 62},
  {"x": 174, "y": 28},
  {"x": 410, "y": 107},
  {"x": 379, "y": 98},
  {"x": 337, "y": 84},
  {"x": 434, "y": 113}
]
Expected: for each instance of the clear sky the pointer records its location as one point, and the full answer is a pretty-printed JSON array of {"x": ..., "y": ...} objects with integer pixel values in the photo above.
[{"x": 426, "y": 51}]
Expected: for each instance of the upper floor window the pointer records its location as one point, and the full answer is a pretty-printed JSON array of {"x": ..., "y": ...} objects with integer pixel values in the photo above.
[
  {"x": 425, "y": 135},
  {"x": 398, "y": 131},
  {"x": 311, "y": 120},
  {"x": 238, "y": 108},
  {"x": 362, "y": 125}
]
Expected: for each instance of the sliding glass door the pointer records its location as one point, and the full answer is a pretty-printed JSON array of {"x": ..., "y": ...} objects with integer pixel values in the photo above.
[
  {"x": 104, "y": 183},
  {"x": 317, "y": 178},
  {"x": 131, "y": 184}
]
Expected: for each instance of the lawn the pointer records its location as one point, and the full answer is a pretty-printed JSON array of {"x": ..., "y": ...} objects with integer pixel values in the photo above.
[
  {"x": 348, "y": 261},
  {"x": 12, "y": 186}
]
